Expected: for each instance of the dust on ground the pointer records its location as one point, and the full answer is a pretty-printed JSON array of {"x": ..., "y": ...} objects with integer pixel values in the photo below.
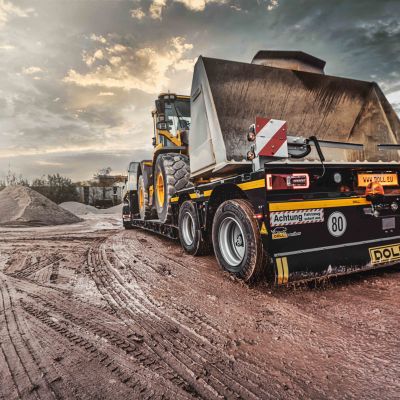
[{"x": 91, "y": 311}]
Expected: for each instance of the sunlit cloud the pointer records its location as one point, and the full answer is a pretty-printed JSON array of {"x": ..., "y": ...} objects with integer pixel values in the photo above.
[
  {"x": 31, "y": 70},
  {"x": 137, "y": 13},
  {"x": 9, "y": 10},
  {"x": 146, "y": 69}
]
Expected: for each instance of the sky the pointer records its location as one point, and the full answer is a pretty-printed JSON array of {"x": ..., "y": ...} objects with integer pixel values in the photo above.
[{"x": 78, "y": 78}]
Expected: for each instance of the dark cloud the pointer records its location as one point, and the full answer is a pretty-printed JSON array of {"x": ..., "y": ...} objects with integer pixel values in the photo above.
[{"x": 71, "y": 102}]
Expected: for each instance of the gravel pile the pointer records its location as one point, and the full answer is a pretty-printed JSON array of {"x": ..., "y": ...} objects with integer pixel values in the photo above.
[
  {"x": 79, "y": 208},
  {"x": 22, "y": 206},
  {"x": 112, "y": 210}
]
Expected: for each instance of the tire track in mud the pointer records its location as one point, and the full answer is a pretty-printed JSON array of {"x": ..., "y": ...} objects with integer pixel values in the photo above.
[
  {"x": 127, "y": 375},
  {"x": 27, "y": 374},
  {"x": 209, "y": 370},
  {"x": 248, "y": 364},
  {"x": 128, "y": 343}
]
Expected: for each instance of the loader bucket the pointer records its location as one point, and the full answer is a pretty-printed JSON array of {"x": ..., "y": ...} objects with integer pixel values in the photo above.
[{"x": 227, "y": 96}]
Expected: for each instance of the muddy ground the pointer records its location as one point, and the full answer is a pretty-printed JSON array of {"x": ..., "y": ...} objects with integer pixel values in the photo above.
[{"x": 90, "y": 311}]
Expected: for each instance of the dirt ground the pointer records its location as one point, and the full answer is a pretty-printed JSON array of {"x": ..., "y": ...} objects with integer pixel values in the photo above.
[{"x": 90, "y": 311}]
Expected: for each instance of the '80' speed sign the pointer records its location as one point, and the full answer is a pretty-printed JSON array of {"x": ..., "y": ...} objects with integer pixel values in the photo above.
[{"x": 337, "y": 224}]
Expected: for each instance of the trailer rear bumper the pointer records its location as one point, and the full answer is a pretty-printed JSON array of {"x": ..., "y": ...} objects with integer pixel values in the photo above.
[{"x": 336, "y": 260}]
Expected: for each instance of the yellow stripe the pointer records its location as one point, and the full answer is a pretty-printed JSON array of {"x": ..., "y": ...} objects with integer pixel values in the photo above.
[
  {"x": 174, "y": 199},
  {"x": 303, "y": 205},
  {"x": 285, "y": 270},
  {"x": 193, "y": 195},
  {"x": 207, "y": 193},
  {"x": 252, "y": 184},
  {"x": 280, "y": 270}
]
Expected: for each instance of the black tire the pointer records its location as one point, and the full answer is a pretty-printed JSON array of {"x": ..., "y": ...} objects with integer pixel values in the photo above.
[
  {"x": 143, "y": 203},
  {"x": 190, "y": 234},
  {"x": 127, "y": 225},
  {"x": 234, "y": 227},
  {"x": 173, "y": 170}
]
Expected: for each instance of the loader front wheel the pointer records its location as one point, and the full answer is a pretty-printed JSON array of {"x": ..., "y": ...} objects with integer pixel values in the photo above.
[
  {"x": 190, "y": 233},
  {"x": 143, "y": 200},
  {"x": 171, "y": 174},
  {"x": 237, "y": 240}
]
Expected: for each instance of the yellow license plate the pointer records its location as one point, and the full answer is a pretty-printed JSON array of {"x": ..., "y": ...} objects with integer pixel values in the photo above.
[
  {"x": 383, "y": 179},
  {"x": 385, "y": 254}
]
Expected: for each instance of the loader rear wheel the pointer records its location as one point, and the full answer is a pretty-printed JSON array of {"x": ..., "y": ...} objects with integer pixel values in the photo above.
[
  {"x": 190, "y": 234},
  {"x": 237, "y": 240},
  {"x": 171, "y": 174},
  {"x": 143, "y": 200}
]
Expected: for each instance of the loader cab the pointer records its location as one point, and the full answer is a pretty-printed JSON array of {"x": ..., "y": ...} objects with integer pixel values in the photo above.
[{"x": 171, "y": 120}]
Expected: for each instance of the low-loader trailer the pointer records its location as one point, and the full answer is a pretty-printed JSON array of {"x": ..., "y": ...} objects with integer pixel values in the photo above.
[{"x": 279, "y": 169}]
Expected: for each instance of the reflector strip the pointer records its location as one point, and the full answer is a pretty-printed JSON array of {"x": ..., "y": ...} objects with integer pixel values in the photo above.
[
  {"x": 283, "y": 270},
  {"x": 304, "y": 205},
  {"x": 260, "y": 183}
]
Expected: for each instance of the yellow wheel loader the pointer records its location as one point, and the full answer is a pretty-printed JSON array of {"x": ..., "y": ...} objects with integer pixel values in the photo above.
[{"x": 160, "y": 178}]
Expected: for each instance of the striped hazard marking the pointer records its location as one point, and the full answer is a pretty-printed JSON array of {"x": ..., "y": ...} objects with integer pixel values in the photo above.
[
  {"x": 282, "y": 270},
  {"x": 271, "y": 138}
]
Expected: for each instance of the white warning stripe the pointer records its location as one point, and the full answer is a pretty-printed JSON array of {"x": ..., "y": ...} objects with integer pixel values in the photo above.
[{"x": 271, "y": 139}]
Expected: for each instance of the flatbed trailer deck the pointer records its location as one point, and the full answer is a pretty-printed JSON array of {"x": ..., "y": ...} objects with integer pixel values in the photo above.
[{"x": 303, "y": 231}]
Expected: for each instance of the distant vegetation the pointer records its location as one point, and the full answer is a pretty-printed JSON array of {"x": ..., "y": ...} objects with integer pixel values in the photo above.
[{"x": 55, "y": 187}]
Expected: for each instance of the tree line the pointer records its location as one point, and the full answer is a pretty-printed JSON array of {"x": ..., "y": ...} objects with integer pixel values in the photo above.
[{"x": 55, "y": 187}]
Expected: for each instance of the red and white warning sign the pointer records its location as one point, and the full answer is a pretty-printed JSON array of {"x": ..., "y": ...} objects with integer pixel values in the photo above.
[
  {"x": 271, "y": 138},
  {"x": 296, "y": 217}
]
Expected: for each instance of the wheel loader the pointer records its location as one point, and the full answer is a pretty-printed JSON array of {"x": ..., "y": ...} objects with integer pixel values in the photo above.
[{"x": 280, "y": 170}]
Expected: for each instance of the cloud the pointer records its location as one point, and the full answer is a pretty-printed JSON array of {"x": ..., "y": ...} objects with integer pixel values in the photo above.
[
  {"x": 98, "y": 38},
  {"x": 272, "y": 5},
  {"x": 394, "y": 99},
  {"x": 106, "y": 94},
  {"x": 156, "y": 8},
  {"x": 49, "y": 163},
  {"x": 31, "y": 70},
  {"x": 199, "y": 5},
  {"x": 8, "y": 10},
  {"x": 6, "y": 47},
  {"x": 90, "y": 59},
  {"x": 137, "y": 13},
  {"x": 147, "y": 69}
]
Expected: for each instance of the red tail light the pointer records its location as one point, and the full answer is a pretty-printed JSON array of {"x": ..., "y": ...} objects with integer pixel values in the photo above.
[
  {"x": 287, "y": 181},
  {"x": 374, "y": 188}
]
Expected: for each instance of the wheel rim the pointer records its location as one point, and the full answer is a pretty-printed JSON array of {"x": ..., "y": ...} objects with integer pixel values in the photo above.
[
  {"x": 188, "y": 229},
  {"x": 232, "y": 242},
  {"x": 160, "y": 189}
]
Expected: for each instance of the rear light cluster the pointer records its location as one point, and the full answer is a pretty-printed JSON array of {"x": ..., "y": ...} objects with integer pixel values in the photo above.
[
  {"x": 287, "y": 181},
  {"x": 374, "y": 188}
]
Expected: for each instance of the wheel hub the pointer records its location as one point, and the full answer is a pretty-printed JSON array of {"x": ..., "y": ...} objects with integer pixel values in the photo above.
[
  {"x": 160, "y": 189},
  {"x": 231, "y": 241}
]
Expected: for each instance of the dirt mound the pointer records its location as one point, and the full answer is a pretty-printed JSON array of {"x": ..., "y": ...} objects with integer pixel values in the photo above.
[
  {"x": 22, "y": 206},
  {"x": 112, "y": 210},
  {"x": 78, "y": 208}
]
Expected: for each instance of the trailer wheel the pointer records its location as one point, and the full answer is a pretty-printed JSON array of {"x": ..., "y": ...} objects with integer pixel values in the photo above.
[
  {"x": 171, "y": 174},
  {"x": 143, "y": 200},
  {"x": 190, "y": 234},
  {"x": 237, "y": 240}
]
